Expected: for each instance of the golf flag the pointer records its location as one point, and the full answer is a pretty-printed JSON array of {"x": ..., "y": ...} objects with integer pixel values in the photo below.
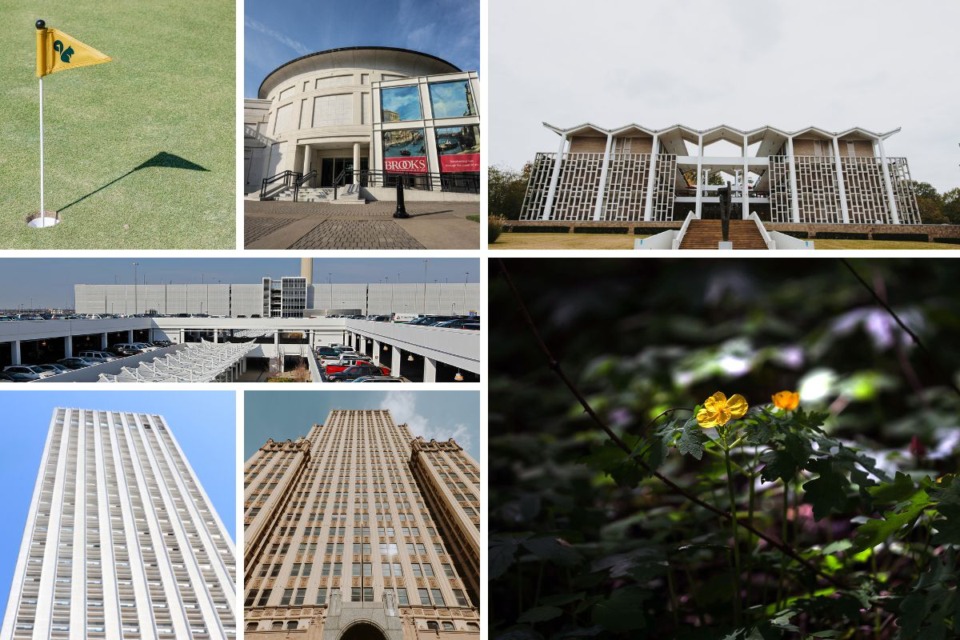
[{"x": 58, "y": 51}]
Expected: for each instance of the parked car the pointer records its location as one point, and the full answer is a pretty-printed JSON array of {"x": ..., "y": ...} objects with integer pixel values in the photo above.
[
  {"x": 15, "y": 377},
  {"x": 380, "y": 379},
  {"x": 28, "y": 369},
  {"x": 356, "y": 371},
  {"x": 56, "y": 368},
  {"x": 162, "y": 343},
  {"x": 125, "y": 349},
  {"x": 343, "y": 363},
  {"x": 76, "y": 363},
  {"x": 460, "y": 323},
  {"x": 98, "y": 356}
]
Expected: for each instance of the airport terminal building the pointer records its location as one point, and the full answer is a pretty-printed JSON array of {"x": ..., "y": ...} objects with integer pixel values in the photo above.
[
  {"x": 361, "y": 114},
  {"x": 634, "y": 173}
]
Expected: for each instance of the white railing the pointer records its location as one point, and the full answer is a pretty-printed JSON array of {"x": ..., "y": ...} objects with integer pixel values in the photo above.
[
  {"x": 683, "y": 230},
  {"x": 767, "y": 240}
]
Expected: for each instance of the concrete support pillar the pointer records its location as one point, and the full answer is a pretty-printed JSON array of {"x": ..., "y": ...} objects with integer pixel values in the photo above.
[
  {"x": 554, "y": 179},
  {"x": 598, "y": 209},
  {"x": 104, "y": 343},
  {"x": 216, "y": 336},
  {"x": 312, "y": 339},
  {"x": 652, "y": 179},
  {"x": 130, "y": 335},
  {"x": 376, "y": 352},
  {"x": 356, "y": 163},
  {"x": 699, "y": 208},
  {"x": 395, "y": 362},
  {"x": 276, "y": 348},
  {"x": 182, "y": 336},
  {"x": 844, "y": 211},
  {"x": 307, "y": 152},
  {"x": 243, "y": 365},
  {"x": 744, "y": 187},
  {"x": 891, "y": 199},
  {"x": 429, "y": 370},
  {"x": 68, "y": 347},
  {"x": 794, "y": 196},
  {"x": 15, "y": 352}
]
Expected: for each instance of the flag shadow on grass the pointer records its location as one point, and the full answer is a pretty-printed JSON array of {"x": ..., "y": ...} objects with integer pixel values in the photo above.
[{"x": 162, "y": 159}]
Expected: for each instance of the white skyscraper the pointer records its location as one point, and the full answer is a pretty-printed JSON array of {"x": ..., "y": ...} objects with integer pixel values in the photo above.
[{"x": 121, "y": 541}]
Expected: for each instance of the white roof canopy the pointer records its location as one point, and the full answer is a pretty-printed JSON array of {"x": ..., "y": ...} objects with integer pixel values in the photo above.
[{"x": 202, "y": 362}]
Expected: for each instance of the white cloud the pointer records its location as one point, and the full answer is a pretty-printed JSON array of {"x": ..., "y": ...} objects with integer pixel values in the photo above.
[
  {"x": 297, "y": 46},
  {"x": 402, "y": 405}
]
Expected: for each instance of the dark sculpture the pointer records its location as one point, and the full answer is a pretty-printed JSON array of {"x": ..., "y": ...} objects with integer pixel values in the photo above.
[{"x": 725, "y": 200}]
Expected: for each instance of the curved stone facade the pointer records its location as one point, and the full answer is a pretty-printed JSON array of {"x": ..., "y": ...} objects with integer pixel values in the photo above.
[{"x": 318, "y": 113}]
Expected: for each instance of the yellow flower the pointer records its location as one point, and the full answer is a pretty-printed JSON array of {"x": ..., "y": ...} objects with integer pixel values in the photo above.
[
  {"x": 787, "y": 400},
  {"x": 718, "y": 411}
]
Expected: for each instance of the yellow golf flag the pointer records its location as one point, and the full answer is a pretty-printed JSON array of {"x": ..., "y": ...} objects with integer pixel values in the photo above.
[{"x": 58, "y": 51}]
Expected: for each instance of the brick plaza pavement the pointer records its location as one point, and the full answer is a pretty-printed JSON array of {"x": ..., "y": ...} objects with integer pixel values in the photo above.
[{"x": 296, "y": 225}]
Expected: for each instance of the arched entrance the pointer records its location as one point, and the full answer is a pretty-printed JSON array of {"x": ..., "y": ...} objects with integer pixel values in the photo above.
[{"x": 363, "y": 631}]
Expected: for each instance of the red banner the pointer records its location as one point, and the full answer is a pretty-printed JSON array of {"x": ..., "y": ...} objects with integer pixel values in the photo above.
[
  {"x": 406, "y": 164},
  {"x": 460, "y": 163}
]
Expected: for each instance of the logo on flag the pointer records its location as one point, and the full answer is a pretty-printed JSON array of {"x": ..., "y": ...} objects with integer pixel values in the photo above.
[{"x": 58, "y": 51}]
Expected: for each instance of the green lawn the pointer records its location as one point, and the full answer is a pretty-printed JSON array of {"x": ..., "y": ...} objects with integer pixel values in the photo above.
[
  {"x": 621, "y": 241},
  {"x": 141, "y": 151}
]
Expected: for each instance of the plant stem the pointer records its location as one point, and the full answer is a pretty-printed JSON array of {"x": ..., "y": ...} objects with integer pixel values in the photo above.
[
  {"x": 674, "y": 605},
  {"x": 733, "y": 530},
  {"x": 783, "y": 538}
]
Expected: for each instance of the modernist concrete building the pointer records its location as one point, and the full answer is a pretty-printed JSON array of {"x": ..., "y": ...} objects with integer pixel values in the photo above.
[
  {"x": 251, "y": 300},
  {"x": 359, "y": 530},
  {"x": 353, "y": 115},
  {"x": 121, "y": 541},
  {"x": 635, "y": 173}
]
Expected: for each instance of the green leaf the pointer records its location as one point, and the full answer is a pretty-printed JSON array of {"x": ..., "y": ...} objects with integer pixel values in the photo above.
[
  {"x": 948, "y": 529},
  {"x": 785, "y": 462},
  {"x": 563, "y": 598},
  {"x": 902, "y": 488},
  {"x": 826, "y": 493},
  {"x": 501, "y": 554},
  {"x": 692, "y": 439},
  {"x": 540, "y": 614},
  {"x": 553, "y": 550},
  {"x": 874, "y": 532},
  {"x": 622, "y": 611}
]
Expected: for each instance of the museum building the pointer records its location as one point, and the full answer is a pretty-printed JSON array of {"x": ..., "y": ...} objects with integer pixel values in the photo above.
[
  {"x": 361, "y": 115},
  {"x": 638, "y": 174}
]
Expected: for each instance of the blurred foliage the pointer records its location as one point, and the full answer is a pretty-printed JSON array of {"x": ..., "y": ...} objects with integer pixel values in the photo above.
[{"x": 585, "y": 543}]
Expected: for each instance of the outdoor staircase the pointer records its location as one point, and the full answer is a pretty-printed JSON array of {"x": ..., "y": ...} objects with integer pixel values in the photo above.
[
  {"x": 707, "y": 234},
  {"x": 347, "y": 194}
]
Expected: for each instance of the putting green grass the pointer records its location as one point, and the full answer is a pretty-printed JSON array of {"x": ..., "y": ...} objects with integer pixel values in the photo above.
[
  {"x": 140, "y": 152},
  {"x": 611, "y": 241}
]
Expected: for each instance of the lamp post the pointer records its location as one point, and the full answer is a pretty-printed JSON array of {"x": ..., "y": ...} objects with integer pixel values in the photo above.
[{"x": 425, "y": 287}]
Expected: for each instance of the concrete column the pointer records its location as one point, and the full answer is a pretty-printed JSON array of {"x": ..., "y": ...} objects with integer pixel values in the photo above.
[
  {"x": 15, "y": 352},
  {"x": 243, "y": 365},
  {"x": 744, "y": 190},
  {"x": 307, "y": 152},
  {"x": 554, "y": 179},
  {"x": 276, "y": 347},
  {"x": 429, "y": 370},
  {"x": 182, "y": 336},
  {"x": 844, "y": 212},
  {"x": 652, "y": 179},
  {"x": 395, "y": 362},
  {"x": 376, "y": 352},
  {"x": 598, "y": 209},
  {"x": 104, "y": 343},
  {"x": 356, "y": 162},
  {"x": 216, "y": 336},
  {"x": 130, "y": 335},
  {"x": 68, "y": 346},
  {"x": 891, "y": 199},
  {"x": 699, "y": 209},
  {"x": 794, "y": 196}
]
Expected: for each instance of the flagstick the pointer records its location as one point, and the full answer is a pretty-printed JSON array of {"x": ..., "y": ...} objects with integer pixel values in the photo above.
[{"x": 42, "y": 210}]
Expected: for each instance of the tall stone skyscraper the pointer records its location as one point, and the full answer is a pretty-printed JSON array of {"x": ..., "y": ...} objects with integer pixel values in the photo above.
[
  {"x": 121, "y": 541},
  {"x": 358, "y": 531}
]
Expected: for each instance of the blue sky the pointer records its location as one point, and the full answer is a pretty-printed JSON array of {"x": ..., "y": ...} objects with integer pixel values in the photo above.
[
  {"x": 48, "y": 283},
  {"x": 203, "y": 422},
  {"x": 277, "y": 32},
  {"x": 432, "y": 414}
]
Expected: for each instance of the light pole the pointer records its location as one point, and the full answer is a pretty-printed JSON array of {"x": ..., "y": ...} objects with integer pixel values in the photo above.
[
  {"x": 425, "y": 286},
  {"x": 330, "y": 282},
  {"x": 135, "y": 265}
]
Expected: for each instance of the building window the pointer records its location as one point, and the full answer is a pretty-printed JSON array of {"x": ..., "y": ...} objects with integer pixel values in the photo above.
[
  {"x": 452, "y": 99},
  {"x": 277, "y": 625},
  {"x": 292, "y": 624},
  {"x": 402, "y": 597},
  {"x": 433, "y": 625},
  {"x": 437, "y": 598},
  {"x": 400, "y": 103},
  {"x": 321, "y": 596},
  {"x": 287, "y": 594},
  {"x": 424, "y": 596},
  {"x": 448, "y": 626},
  {"x": 264, "y": 596},
  {"x": 461, "y": 598}
]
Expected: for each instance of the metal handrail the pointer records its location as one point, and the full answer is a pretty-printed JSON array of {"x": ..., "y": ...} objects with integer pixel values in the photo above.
[
  {"x": 453, "y": 182},
  {"x": 299, "y": 182},
  {"x": 285, "y": 176}
]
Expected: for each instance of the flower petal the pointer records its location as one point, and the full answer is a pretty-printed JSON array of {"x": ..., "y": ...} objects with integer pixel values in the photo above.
[
  {"x": 706, "y": 419},
  {"x": 737, "y": 406}
]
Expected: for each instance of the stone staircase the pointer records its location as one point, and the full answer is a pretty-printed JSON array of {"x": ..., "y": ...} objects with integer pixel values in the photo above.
[
  {"x": 348, "y": 194},
  {"x": 706, "y": 234}
]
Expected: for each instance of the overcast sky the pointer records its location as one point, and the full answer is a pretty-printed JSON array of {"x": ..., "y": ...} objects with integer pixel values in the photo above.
[
  {"x": 280, "y": 31},
  {"x": 48, "y": 283},
  {"x": 877, "y": 64}
]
